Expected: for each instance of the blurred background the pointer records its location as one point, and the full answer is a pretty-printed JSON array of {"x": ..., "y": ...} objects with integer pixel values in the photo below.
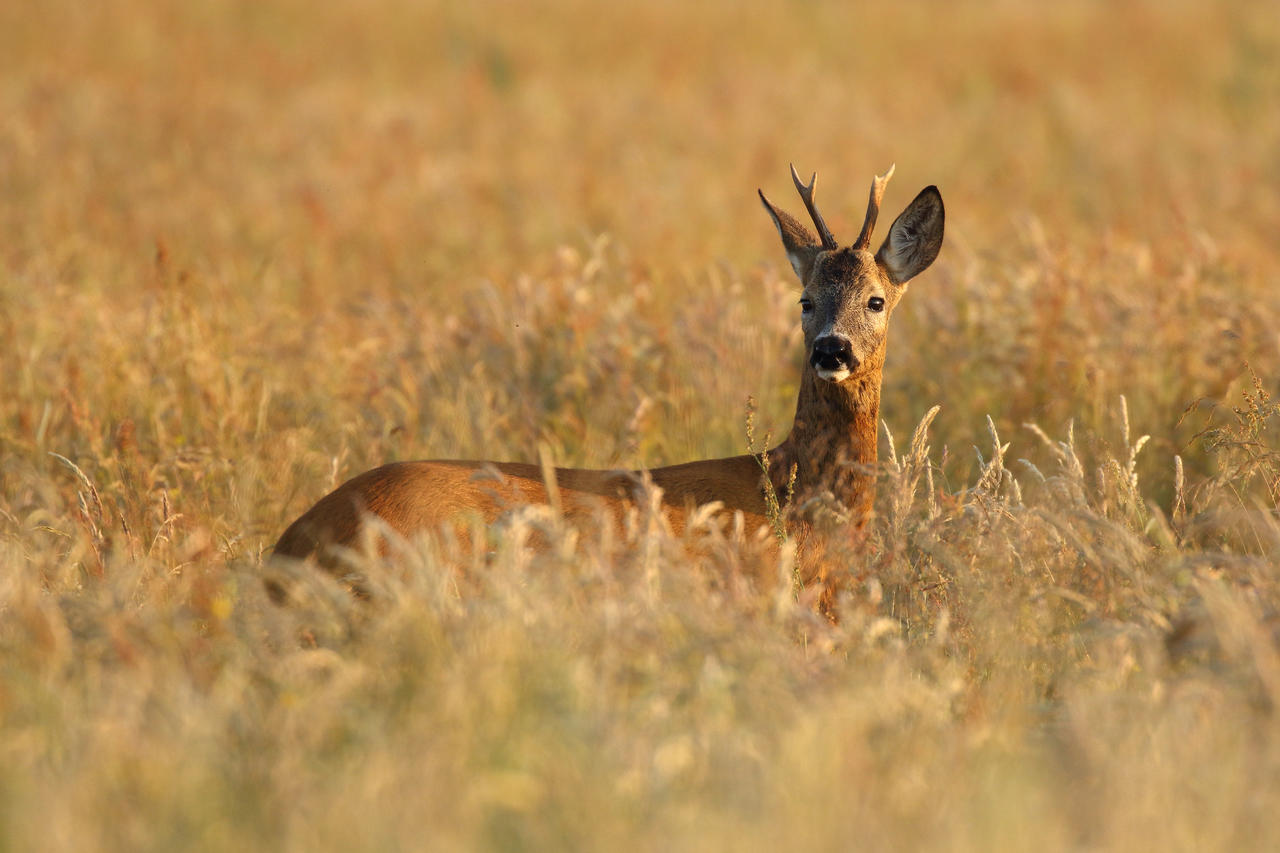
[{"x": 1109, "y": 169}]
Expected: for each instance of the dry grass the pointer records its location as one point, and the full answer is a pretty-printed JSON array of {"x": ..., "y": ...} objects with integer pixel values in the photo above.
[{"x": 252, "y": 248}]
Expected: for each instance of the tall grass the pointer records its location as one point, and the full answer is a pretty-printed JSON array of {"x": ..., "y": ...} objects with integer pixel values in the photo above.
[{"x": 252, "y": 249}]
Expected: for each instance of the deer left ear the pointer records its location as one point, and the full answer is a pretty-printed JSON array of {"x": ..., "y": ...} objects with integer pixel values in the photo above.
[
  {"x": 800, "y": 245},
  {"x": 915, "y": 237}
]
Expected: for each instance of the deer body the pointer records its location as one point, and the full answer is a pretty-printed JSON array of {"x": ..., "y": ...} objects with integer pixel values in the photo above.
[
  {"x": 421, "y": 496},
  {"x": 848, "y": 296}
]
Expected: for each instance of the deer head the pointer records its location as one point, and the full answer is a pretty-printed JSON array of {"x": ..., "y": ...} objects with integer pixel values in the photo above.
[{"x": 849, "y": 293}]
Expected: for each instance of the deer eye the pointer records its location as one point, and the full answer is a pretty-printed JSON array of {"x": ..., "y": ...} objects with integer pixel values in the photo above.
[
  {"x": 875, "y": 303},
  {"x": 806, "y": 305}
]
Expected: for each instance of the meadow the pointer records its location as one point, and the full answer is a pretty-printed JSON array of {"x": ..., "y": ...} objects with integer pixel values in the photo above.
[{"x": 249, "y": 249}]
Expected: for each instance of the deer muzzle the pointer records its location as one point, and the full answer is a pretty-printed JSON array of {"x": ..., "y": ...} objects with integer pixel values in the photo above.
[{"x": 832, "y": 357}]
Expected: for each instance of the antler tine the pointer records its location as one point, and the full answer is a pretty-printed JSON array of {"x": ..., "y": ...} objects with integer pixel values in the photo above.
[
  {"x": 806, "y": 193},
  {"x": 873, "y": 208}
]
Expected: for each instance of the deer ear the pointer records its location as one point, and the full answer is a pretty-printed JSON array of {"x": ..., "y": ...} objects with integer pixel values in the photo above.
[
  {"x": 800, "y": 244},
  {"x": 914, "y": 238}
]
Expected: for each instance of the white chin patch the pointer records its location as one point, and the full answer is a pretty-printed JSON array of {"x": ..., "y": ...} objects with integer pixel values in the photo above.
[{"x": 833, "y": 375}]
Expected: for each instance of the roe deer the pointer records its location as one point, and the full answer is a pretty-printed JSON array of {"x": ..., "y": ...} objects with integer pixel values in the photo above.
[{"x": 848, "y": 296}]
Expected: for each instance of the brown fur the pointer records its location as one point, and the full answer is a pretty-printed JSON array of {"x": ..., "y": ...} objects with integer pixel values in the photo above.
[
  {"x": 423, "y": 496},
  {"x": 831, "y": 447}
]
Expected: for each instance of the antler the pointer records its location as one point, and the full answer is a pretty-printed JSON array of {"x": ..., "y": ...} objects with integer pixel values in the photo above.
[
  {"x": 873, "y": 208},
  {"x": 806, "y": 193}
]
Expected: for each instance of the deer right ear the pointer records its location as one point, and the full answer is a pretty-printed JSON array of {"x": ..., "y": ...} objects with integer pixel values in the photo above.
[
  {"x": 800, "y": 244},
  {"x": 914, "y": 238}
]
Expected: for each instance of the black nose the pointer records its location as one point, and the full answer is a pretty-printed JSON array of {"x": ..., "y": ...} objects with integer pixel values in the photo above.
[{"x": 832, "y": 352}]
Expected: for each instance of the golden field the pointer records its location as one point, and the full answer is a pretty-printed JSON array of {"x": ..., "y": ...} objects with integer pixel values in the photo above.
[{"x": 252, "y": 248}]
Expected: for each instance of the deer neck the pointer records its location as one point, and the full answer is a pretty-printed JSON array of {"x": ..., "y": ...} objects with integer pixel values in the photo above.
[{"x": 832, "y": 445}]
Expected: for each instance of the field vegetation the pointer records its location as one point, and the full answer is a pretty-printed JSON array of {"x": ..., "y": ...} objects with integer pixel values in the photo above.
[{"x": 248, "y": 249}]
